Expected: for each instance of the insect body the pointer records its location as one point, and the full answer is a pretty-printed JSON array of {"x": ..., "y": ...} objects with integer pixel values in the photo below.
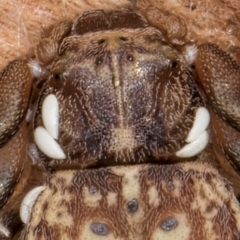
[{"x": 109, "y": 102}]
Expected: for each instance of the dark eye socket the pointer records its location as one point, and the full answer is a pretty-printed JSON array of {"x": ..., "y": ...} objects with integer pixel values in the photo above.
[
  {"x": 101, "y": 41},
  {"x": 60, "y": 76},
  {"x": 99, "y": 61},
  {"x": 164, "y": 43},
  {"x": 124, "y": 39},
  {"x": 130, "y": 57},
  {"x": 56, "y": 76},
  {"x": 174, "y": 64}
]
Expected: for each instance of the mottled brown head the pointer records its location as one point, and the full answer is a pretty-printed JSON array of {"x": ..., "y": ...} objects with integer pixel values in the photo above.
[{"x": 124, "y": 94}]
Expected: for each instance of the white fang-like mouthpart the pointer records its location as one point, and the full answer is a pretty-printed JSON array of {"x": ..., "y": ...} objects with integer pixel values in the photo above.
[
  {"x": 201, "y": 122},
  {"x": 28, "y": 203},
  {"x": 195, "y": 147},
  {"x": 50, "y": 115},
  {"x": 47, "y": 144}
]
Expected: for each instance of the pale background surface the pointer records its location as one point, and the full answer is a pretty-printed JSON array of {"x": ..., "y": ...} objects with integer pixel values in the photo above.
[{"x": 21, "y": 21}]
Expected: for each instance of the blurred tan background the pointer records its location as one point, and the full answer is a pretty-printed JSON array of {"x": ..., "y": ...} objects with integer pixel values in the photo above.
[{"x": 21, "y": 21}]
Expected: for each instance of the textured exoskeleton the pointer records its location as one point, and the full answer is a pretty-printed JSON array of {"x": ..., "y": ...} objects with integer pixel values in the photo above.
[{"x": 110, "y": 89}]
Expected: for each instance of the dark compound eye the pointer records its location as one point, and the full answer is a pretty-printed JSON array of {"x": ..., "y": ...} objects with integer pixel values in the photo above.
[
  {"x": 101, "y": 41},
  {"x": 130, "y": 58},
  {"x": 169, "y": 224},
  {"x": 99, "y": 61},
  {"x": 92, "y": 189},
  {"x": 123, "y": 39},
  {"x": 170, "y": 186},
  {"x": 174, "y": 64},
  {"x": 132, "y": 206},
  {"x": 56, "y": 76},
  {"x": 100, "y": 229}
]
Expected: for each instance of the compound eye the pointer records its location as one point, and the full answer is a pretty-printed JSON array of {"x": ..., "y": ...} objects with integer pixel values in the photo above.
[
  {"x": 123, "y": 39},
  {"x": 132, "y": 206},
  {"x": 174, "y": 64},
  {"x": 101, "y": 41},
  {"x": 169, "y": 224},
  {"x": 100, "y": 58},
  {"x": 100, "y": 229},
  {"x": 99, "y": 61},
  {"x": 56, "y": 76},
  {"x": 130, "y": 57}
]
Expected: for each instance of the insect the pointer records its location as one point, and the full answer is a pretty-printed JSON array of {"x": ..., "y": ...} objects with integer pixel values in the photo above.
[{"x": 105, "y": 134}]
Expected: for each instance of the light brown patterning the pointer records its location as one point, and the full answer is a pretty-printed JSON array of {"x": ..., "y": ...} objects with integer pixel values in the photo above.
[{"x": 102, "y": 116}]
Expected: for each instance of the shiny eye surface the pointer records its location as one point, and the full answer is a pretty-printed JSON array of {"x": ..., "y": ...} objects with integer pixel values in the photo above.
[
  {"x": 100, "y": 229},
  {"x": 132, "y": 206},
  {"x": 169, "y": 224}
]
